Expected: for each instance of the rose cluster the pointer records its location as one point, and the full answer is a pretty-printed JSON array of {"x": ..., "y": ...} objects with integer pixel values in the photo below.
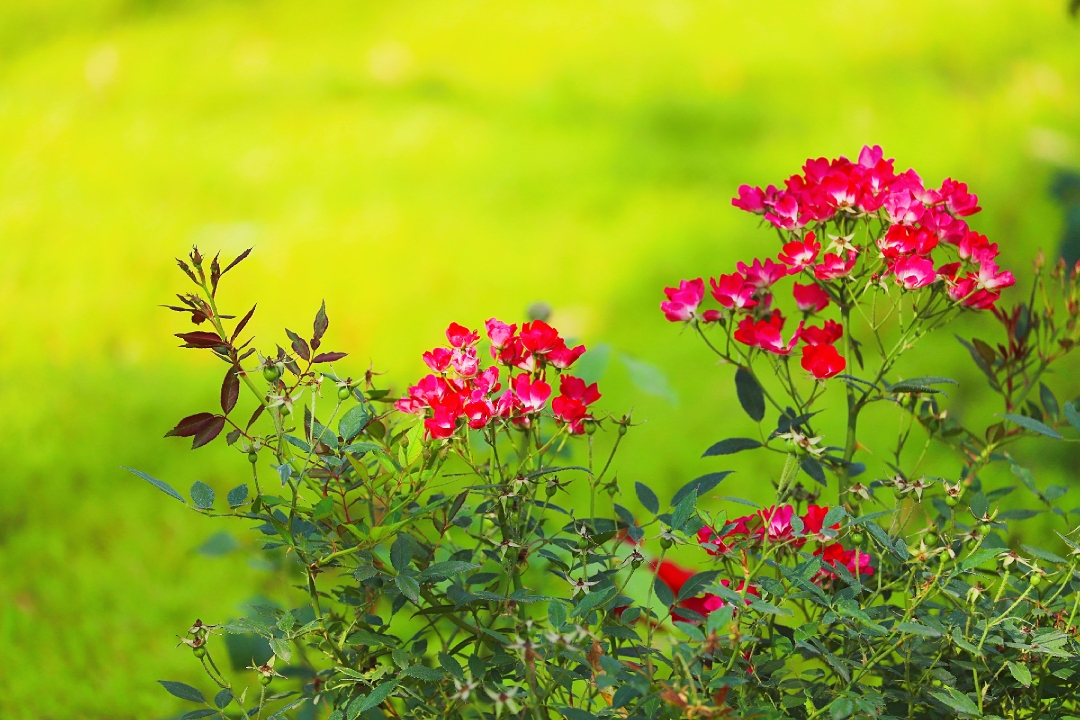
[
  {"x": 905, "y": 223},
  {"x": 776, "y": 524},
  {"x": 458, "y": 393}
]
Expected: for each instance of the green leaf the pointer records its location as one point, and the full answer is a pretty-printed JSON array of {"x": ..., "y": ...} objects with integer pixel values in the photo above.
[
  {"x": 557, "y": 614},
  {"x": 751, "y": 396},
  {"x": 647, "y": 497},
  {"x": 841, "y": 708},
  {"x": 684, "y": 511},
  {"x": 1043, "y": 554},
  {"x": 663, "y": 593},
  {"x": 1032, "y": 424},
  {"x": 401, "y": 552},
  {"x": 593, "y": 364},
  {"x": 731, "y": 446},
  {"x": 281, "y": 648},
  {"x": 451, "y": 666},
  {"x": 408, "y": 586},
  {"x": 363, "y": 704},
  {"x": 280, "y": 713},
  {"x": 323, "y": 509},
  {"x": 576, "y": 714},
  {"x": 163, "y": 487},
  {"x": 237, "y": 496},
  {"x": 352, "y": 422},
  {"x": 202, "y": 495},
  {"x": 1049, "y": 402},
  {"x": 649, "y": 379},
  {"x": 443, "y": 570},
  {"x": 957, "y": 701},
  {"x": 813, "y": 468},
  {"x": 223, "y": 698},
  {"x": 978, "y": 557},
  {"x": 183, "y": 691},
  {"x": 696, "y": 583},
  {"x": 1072, "y": 415},
  {"x": 200, "y": 713},
  {"x": 701, "y": 485},
  {"x": 422, "y": 672},
  {"x": 1021, "y": 673},
  {"x": 915, "y": 628},
  {"x": 590, "y": 602}
]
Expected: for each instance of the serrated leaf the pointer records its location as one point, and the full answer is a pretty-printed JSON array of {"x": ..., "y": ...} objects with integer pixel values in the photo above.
[
  {"x": 443, "y": 570},
  {"x": 751, "y": 396},
  {"x": 1032, "y": 424},
  {"x": 957, "y": 701},
  {"x": 1072, "y": 415},
  {"x": 841, "y": 708},
  {"x": 557, "y": 613},
  {"x": 978, "y": 557},
  {"x": 401, "y": 552},
  {"x": 353, "y": 421},
  {"x": 731, "y": 446},
  {"x": 590, "y": 602},
  {"x": 915, "y": 628},
  {"x": 183, "y": 691},
  {"x": 202, "y": 495},
  {"x": 281, "y": 648},
  {"x": 422, "y": 672},
  {"x": 200, "y": 713},
  {"x": 408, "y": 586},
  {"x": 685, "y": 510},
  {"x": 162, "y": 486},
  {"x": 647, "y": 497},
  {"x": 1020, "y": 673},
  {"x": 237, "y": 496},
  {"x": 1049, "y": 402},
  {"x": 363, "y": 704}
]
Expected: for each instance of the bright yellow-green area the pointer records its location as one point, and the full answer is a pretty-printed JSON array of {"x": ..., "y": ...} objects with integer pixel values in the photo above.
[{"x": 417, "y": 163}]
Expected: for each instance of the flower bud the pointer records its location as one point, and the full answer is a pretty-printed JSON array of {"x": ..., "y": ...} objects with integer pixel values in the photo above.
[
  {"x": 665, "y": 542},
  {"x": 344, "y": 393},
  {"x": 253, "y": 457}
]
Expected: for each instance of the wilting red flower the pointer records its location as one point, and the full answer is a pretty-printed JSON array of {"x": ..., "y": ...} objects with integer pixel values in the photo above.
[
  {"x": 810, "y": 298},
  {"x": 822, "y": 361},
  {"x": 683, "y": 301}
]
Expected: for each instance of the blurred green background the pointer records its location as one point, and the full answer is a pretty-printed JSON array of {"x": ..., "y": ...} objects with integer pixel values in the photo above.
[{"x": 417, "y": 163}]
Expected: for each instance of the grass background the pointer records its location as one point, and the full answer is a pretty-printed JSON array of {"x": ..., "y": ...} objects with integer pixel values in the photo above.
[{"x": 417, "y": 163}]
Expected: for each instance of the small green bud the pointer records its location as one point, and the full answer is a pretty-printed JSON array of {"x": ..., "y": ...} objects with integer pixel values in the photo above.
[
  {"x": 253, "y": 457},
  {"x": 199, "y": 652},
  {"x": 344, "y": 393},
  {"x": 550, "y": 490},
  {"x": 590, "y": 427},
  {"x": 635, "y": 564},
  {"x": 984, "y": 529},
  {"x": 858, "y": 538},
  {"x": 286, "y": 410},
  {"x": 265, "y": 680},
  {"x": 1035, "y": 580},
  {"x": 271, "y": 373},
  {"x": 665, "y": 543},
  {"x": 611, "y": 490},
  {"x": 952, "y": 501},
  {"x": 622, "y": 429},
  {"x": 931, "y": 538}
]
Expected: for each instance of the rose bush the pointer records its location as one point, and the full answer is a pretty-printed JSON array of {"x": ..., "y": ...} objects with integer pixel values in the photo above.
[{"x": 459, "y": 562}]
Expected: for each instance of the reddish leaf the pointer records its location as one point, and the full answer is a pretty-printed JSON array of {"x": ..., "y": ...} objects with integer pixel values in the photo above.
[
  {"x": 321, "y": 324},
  {"x": 299, "y": 345},
  {"x": 328, "y": 357},
  {"x": 190, "y": 426},
  {"x": 243, "y": 322},
  {"x": 184, "y": 266},
  {"x": 215, "y": 274},
  {"x": 201, "y": 339},
  {"x": 255, "y": 415},
  {"x": 230, "y": 390},
  {"x": 209, "y": 431},
  {"x": 233, "y": 436},
  {"x": 236, "y": 262}
]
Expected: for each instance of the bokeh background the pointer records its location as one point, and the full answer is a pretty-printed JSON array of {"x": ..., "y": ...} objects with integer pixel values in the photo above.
[{"x": 416, "y": 163}]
